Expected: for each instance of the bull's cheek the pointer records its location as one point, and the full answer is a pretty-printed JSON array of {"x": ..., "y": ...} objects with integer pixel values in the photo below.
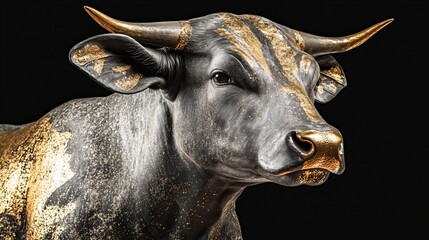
[{"x": 273, "y": 155}]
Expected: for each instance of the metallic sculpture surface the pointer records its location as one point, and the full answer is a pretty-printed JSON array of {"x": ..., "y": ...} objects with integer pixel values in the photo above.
[{"x": 202, "y": 109}]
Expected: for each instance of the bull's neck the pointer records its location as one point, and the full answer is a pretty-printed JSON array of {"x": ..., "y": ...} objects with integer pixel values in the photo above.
[{"x": 178, "y": 197}]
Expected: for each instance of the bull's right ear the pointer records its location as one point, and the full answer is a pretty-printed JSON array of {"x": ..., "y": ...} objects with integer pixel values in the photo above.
[
  {"x": 119, "y": 63},
  {"x": 331, "y": 81}
]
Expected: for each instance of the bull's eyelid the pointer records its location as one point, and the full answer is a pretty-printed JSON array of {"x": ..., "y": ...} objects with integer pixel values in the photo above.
[{"x": 216, "y": 74}]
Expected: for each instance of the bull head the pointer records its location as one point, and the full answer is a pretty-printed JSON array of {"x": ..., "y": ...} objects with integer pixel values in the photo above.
[{"x": 284, "y": 72}]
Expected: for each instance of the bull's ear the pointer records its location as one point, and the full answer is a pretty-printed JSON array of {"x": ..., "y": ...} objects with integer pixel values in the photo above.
[
  {"x": 119, "y": 63},
  {"x": 332, "y": 79}
]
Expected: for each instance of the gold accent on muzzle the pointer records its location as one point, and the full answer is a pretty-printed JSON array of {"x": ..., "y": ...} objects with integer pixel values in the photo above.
[{"x": 326, "y": 151}]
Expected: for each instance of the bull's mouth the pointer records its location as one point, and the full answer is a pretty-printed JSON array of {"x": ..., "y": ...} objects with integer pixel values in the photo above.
[
  {"x": 312, "y": 177},
  {"x": 332, "y": 165},
  {"x": 315, "y": 171}
]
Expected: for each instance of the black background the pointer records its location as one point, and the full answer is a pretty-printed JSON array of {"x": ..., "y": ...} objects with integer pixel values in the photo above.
[{"x": 381, "y": 114}]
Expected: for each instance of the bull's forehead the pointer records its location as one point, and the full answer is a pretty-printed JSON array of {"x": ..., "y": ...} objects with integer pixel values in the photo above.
[
  {"x": 258, "y": 40},
  {"x": 268, "y": 48}
]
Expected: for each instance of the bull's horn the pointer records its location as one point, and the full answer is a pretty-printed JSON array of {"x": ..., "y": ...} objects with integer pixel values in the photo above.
[
  {"x": 174, "y": 34},
  {"x": 317, "y": 45}
]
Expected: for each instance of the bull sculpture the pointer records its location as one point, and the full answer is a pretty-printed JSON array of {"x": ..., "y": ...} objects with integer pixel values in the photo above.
[{"x": 202, "y": 109}]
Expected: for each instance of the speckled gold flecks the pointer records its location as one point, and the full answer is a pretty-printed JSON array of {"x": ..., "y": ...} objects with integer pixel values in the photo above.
[
  {"x": 127, "y": 83},
  {"x": 246, "y": 44},
  {"x": 45, "y": 221},
  {"x": 19, "y": 150},
  {"x": 47, "y": 175},
  {"x": 121, "y": 69},
  {"x": 299, "y": 40},
  {"x": 185, "y": 35},
  {"x": 98, "y": 65},
  {"x": 33, "y": 163},
  {"x": 88, "y": 54},
  {"x": 286, "y": 56},
  {"x": 312, "y": 176}
]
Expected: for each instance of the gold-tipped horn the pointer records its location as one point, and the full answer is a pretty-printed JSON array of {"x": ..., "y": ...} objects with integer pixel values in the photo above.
[
  {"x": 317, "y": 45},
  {"x": 174, "y": 34}
]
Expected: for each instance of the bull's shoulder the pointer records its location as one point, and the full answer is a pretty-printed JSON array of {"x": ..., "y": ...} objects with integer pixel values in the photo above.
[{"x": 20, "y": 148}]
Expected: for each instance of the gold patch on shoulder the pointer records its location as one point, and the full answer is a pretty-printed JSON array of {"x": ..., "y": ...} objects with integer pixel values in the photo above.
[{"x": 47, "y": 176}]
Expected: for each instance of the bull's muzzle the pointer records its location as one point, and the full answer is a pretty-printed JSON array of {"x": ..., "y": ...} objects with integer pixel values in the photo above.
[{"x": 319, "y": 150}]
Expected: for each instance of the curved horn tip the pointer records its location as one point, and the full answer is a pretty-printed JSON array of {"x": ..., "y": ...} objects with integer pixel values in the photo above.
[
  {"x": 355, "y": 40},
  {"x": 384, "y": 23},
  {"x": 89, "y": 10},
  {"x": 108, "y": 23}
]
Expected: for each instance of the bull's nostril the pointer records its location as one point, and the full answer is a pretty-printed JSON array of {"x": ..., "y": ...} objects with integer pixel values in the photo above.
[{"x": 304, "y": 146}]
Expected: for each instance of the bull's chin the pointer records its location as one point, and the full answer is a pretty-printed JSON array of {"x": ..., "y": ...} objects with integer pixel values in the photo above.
[{"x": 311, "y": 177}]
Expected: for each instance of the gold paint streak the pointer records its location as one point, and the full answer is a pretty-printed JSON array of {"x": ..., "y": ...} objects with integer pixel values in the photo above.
[
  {"x": 299, "y": 40},
  {"x": 236, "y": 48},
  {"x": 244, "y": 40},
  {"x": 185, "y": 35},
  {"x": 48, "y": 174},
  {"x": 19, "y": 149},
  {"x": 304, "y": 101},
  {"x": 286, "y": 56},
  {"x": 305, "y": 63},
  {"x": 129, "y": 82},
  {"x": 336, "y": 74},
  {"x": 98, "y": 65},
  {"x": 121, "y": 69},
  {"x": 89, "y": 53}
]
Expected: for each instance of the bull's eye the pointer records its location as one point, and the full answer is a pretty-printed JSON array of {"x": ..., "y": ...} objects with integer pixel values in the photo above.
[{"x": 221, "y": 78}]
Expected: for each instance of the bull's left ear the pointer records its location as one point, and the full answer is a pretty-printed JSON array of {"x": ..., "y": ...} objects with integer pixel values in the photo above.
[
  {"x": 119, "y": 63},
  {"x": 332, "y": 79}
]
